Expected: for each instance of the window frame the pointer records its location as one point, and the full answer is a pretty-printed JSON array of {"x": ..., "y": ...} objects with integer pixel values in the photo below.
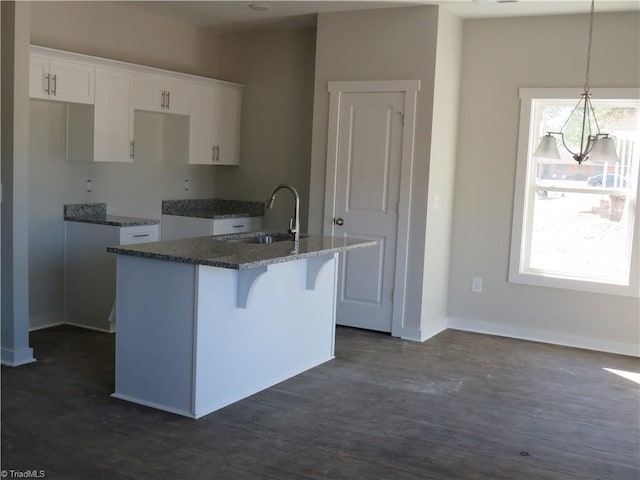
[{"x": 525, "y": 196}]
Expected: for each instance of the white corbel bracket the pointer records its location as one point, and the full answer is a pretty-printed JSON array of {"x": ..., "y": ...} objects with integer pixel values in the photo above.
[
  {"x": 314, "y": 265},
  {"x": 247, "y": 278},
  {"x": 246, "y": 282}
]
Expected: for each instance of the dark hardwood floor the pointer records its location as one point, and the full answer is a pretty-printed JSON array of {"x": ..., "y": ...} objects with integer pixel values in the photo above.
[{"x": 460, "y": 406}]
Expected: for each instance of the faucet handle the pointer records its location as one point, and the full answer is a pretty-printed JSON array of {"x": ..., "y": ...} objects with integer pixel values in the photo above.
[{"x": 291, "y": 226}]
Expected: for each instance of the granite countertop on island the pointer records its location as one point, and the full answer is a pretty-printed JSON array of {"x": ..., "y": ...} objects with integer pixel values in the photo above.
[
  {"x": 230, "y": 251},
  {"x": 97, "y": 213},
  {"x": 213, "y": 208}
]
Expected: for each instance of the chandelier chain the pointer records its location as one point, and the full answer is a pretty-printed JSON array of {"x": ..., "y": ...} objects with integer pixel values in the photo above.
[{"x": 586, "y": 80}]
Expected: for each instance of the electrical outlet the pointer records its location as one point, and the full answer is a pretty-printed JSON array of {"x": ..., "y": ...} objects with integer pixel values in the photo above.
[
  {"x": 89, "y": 187},
  {"x": 476, "y": 285},
  {"x": 186, "y": 184}
]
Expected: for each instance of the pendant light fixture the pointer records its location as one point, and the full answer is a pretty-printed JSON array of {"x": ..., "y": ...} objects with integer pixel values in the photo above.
[{"x": 594, "y": 145}]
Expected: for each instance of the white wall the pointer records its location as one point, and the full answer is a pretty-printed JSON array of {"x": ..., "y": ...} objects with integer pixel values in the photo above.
[
  {"x": 275, "y": 147},
  {"x": 116, "y": 31},
  {"x": 499, "y": 57},
  {"x": 441, "y": 174}
]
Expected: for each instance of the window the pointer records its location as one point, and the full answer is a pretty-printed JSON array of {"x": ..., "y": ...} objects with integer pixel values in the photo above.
[{"x": 576, "y": 226}]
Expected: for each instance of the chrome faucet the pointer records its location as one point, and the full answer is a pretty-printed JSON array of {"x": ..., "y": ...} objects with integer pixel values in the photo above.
[{"x": 294, "y": 223}]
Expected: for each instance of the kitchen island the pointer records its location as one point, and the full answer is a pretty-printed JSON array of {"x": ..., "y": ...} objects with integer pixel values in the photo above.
[{"x": 207, "y": 321}]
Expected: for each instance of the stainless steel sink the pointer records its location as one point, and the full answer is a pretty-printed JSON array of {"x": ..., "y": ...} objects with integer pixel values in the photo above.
[
  {"x": 259, "y": 237},
  {"x": 267, "y": 238}
]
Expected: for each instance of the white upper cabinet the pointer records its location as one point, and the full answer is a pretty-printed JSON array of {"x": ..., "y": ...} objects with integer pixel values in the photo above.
[
  {"x": 157, "y": 94},
  {"x": 226, "y": 125},
  {"x": 56, "y": 79},
  {"x": 201, "y": 147},
  {"x": 103, "y": 133},
  {"x": 214, "y": 127},
  {"x": 113, "y": 124},
  {"x": 200, "y": 121}
]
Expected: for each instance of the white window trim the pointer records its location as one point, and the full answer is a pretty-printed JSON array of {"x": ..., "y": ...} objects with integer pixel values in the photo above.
[{"x": 521, "y": 202}]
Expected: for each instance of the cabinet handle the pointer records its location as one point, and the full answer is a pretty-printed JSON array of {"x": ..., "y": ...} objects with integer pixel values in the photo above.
[
  {"x": 141, "y": 235},
  {"x": 132, "y": 148},
  {"x": 162, "y": 97},
  {"x": 55, "y": 85},
  {"x": 238, "y": 226},
  {"x": 47, "y": 78},
  {"x": 217, "y": 153},
  {"x": 213, "y": 153},
  {"x": 168, "y": 100}
]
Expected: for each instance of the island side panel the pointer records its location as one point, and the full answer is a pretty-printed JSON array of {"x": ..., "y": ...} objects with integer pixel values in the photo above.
[
  {"x": 155, "y": 315},
  {"x": 285, "y": 330}
]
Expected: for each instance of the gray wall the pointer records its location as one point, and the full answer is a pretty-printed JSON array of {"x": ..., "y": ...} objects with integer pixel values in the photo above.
[
  {"x": 14, "y": 170},
  {"x": 114, "y": 31},
  {"x": 499, "y": 57},
  {"x": 277, "y": 66},
  {"x": 275, "y": 147},
  {"x": 385, "y": 44},
  {"x": 117, "y": 31}
]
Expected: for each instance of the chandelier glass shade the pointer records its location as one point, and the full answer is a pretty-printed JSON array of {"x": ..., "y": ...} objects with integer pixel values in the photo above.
[{"x": 593, "y": 145}]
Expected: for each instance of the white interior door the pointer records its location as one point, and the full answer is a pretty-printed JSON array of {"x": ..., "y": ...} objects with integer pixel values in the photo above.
[{"x": 363, "y": 200}]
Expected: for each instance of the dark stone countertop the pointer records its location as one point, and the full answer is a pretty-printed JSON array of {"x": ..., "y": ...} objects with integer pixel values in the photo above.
[
  {"x": 226, "y": 251},
  {"x": 213, "y": 208},
  {"x": 97, "y": 213}
]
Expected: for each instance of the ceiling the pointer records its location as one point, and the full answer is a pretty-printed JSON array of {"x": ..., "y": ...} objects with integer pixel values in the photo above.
[{"x": 230, "y": 15}]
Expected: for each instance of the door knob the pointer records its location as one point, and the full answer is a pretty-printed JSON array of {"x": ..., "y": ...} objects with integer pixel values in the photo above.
[{"x": 338, "y": 221}]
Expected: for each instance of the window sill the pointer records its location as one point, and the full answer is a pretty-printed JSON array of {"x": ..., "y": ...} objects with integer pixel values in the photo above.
[{"x": 542, "y": 280}]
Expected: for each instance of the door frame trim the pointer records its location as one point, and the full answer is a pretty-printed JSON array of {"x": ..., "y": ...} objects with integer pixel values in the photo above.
[{"x": 410, "y": 88}]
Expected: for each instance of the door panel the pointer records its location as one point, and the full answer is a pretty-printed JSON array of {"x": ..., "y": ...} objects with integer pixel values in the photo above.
[
  {"x": 369, "y": 150},
  {"x": 72, "y": 82},
  {"x": 354, "y": 289},
  {"x": 368, "y": 158}
]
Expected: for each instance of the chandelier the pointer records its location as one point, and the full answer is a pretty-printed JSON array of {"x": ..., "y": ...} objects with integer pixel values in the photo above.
[{"x": 594, "y": 145}]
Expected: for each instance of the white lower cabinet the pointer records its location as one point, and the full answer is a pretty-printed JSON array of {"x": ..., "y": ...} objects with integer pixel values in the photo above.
[
  {"x": 175, "y": 227},
  {"x": 90, "y": 272}
]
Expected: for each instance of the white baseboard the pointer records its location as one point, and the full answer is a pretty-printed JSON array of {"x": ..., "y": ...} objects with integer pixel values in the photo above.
[
  {"x": 96, "y": 329},
  {"x": 545, "y": 336},
  {"x": 157, "y": 406},
  {"x": 38, "y": 322},
  {"x": 422, "y": 335},
  {"x": 15, "y": 358}
]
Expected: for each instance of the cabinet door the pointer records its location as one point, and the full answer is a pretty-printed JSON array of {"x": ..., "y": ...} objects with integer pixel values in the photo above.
[
  {"x": 148, "y": 93},
  {"x": 201, "y": 150},
  {"x": 177, "y": 97},
  {"x": 38, "y": 81},
  {"x": 71, "y": 82},
  {"x": 113, "y": 117},
  {"x": 226, "y": 125}
]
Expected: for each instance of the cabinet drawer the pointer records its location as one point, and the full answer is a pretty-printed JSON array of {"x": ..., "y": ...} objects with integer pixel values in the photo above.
[
  {"x": 139, "y": 234},
  {"x": 236, "y": 225}
]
